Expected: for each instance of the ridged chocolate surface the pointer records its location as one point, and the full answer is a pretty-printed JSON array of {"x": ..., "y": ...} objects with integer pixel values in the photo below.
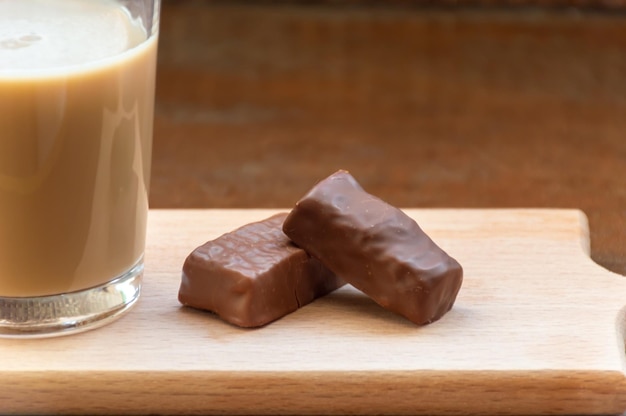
[
  {"x": 253, "y": 275},
  {"x": 376, "y": 248}
]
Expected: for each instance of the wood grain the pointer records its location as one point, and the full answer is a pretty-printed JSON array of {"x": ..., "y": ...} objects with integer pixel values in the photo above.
[
  {"x": 462, "y": 107},
  {"x": 538, "y": 328}
]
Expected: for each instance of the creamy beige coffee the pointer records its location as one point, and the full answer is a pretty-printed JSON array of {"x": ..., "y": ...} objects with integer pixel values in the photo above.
[{"x": 76, "y": 106}]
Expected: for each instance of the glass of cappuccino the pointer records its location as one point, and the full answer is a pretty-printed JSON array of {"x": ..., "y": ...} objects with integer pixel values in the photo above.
[{"x": 77, "y": 82}]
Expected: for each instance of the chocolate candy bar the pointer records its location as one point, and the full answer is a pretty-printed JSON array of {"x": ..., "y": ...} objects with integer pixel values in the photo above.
[
  {"x": 253, "y": 275},
  {"x": 375, "y": 247}
]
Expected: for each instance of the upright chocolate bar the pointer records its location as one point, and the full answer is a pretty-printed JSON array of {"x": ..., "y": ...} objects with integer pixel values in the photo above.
[
  {"x": 375, "y": 247},
  {"x": 253, "y": 275}
]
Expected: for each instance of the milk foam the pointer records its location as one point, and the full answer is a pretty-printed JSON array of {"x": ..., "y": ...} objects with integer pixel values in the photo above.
[{"x": 52, "y": 34}]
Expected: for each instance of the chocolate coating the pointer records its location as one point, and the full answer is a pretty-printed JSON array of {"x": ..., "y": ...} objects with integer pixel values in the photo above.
[
  {"x": 375, "y": 247},
  {"x": 253, "y": 275}
]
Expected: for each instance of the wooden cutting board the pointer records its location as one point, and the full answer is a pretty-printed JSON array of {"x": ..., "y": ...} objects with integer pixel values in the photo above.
[{"x": 538, "y": 328}]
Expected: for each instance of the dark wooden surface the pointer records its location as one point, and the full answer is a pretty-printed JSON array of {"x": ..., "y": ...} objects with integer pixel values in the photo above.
[{"x": 427, "y": 107}]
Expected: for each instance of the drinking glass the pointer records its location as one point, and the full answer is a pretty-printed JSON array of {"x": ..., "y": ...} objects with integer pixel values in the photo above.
[{"x": 77, "y": 80}]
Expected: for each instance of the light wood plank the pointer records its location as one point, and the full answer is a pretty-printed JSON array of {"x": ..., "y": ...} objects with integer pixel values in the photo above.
[{"x": 537, "y": 329}]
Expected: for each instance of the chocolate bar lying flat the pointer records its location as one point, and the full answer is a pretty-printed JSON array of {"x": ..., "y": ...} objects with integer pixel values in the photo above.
[
  {"x": 376, "y": 248},
  {"x": 253, "y": 275}
]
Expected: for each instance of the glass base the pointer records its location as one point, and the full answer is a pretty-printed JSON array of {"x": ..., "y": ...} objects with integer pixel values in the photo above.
[{"x": 69, "y": 313}]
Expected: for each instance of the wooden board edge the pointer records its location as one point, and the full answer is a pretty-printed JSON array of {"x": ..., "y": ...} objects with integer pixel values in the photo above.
[{"x": 542, "y": 392}]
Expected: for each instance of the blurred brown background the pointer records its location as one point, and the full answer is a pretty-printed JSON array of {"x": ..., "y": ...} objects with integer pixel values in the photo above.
[{"x": 429, "y": 104}]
